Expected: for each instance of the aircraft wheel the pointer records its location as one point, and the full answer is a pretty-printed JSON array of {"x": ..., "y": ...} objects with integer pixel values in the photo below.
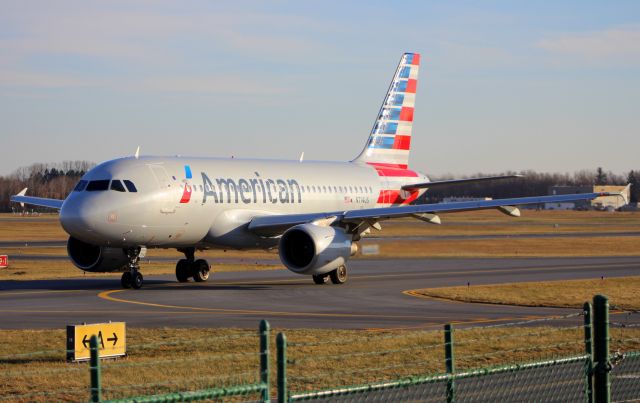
[
  {"x": 200, "y": 270},
  {"x": 126, "y": 280},
  {"x": 137, "y": 280},
  {"x": 339, "y": 275},
  {"x": 183, "y": 270},
  {"x": 320, "y": 278}
]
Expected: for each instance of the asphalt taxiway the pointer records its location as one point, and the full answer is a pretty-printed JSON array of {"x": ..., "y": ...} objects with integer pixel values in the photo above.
[{"x": 375, "y": 297}]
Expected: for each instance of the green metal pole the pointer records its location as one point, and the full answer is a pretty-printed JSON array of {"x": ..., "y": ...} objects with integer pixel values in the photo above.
[
  {"x": 281, "y": 343},
  {"x": 94, "y": 368},
  {"x": 588, "y": 347},
  {"x": 449, "y": 362},
  {"x": 264, "y": 360},
  {"x": 602, "y": 380}
]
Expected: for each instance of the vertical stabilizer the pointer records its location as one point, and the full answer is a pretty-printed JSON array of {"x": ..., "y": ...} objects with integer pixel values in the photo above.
[{"x": 390, "y": 139}]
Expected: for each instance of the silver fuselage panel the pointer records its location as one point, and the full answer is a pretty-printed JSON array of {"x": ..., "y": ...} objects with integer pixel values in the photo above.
[{"x": 208, "y": 202}]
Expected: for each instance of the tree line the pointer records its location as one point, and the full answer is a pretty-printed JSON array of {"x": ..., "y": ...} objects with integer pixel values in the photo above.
[{"x": 50, "y": 180}]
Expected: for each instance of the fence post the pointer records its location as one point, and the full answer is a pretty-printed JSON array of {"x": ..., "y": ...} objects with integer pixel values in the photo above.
[
  {"x": 264, "y": 360},
  {"x": 588, "y": 349},
  {"x": 281, "y": 343},
  {"x": 449, "y": 362},
  {"x": 94, "y": 368},
  {"x": 601, "y": 380}
]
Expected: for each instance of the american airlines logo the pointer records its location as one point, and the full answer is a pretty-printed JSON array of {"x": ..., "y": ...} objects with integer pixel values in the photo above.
[
  {"x": 186, "y": 194},
  {"x": 253, "y": 190}
]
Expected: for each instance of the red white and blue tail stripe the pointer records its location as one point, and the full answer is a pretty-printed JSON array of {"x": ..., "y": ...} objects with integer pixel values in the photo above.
[
  {"x": 390, "y": 139},
  {"x": 387, "y": 149}
]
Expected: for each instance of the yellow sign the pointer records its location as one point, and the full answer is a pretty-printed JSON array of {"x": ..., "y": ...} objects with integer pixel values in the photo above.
[{"x": 112, "y": 340}]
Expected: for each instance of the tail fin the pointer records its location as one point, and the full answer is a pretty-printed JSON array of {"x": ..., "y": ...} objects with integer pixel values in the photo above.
[{"x": 390, "y": 139}]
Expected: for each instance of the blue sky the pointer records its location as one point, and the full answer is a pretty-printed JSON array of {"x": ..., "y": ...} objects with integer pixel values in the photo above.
[{"x": 504, "y": 85}]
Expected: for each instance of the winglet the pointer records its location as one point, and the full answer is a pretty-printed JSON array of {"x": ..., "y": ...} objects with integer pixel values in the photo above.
[
  {"x": 22, "y": 193},
  {"x": 137, "y": 154}
]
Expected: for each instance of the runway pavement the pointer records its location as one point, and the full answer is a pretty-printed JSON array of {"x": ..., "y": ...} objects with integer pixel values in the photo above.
[{"x": 372, "y": 298}]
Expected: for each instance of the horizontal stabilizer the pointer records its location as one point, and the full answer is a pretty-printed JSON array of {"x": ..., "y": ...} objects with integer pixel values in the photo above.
[{"x": 458, "y": 181}]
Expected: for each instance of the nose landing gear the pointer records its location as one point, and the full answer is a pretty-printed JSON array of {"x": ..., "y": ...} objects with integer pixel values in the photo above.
[
  {"x": 132, "y": 278},
  {"x": 189, "y": 267}
]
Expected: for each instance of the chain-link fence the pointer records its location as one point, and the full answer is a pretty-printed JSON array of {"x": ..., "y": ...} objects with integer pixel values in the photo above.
[
  {"x": 562, "y": 358},
  {"x": 542, "y": 359}
]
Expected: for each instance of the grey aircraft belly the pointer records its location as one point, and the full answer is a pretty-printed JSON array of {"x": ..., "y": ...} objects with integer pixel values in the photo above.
[{"x": 313, "y": 212}]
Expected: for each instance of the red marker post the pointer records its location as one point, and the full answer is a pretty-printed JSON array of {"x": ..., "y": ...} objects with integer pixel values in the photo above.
[{"x": 4, "y": 261}]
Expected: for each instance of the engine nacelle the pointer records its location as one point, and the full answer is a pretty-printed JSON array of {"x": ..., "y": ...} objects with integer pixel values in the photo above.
[
  {"x": 315, "y": 249},
  {"x": 88, "y": 257}
]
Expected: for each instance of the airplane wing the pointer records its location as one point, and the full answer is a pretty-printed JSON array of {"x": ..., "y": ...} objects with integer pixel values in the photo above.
[
  {"x": 36, "y": 201},
  {"x": 275, "y": 225},
  {"x": 457, "y": 181}
]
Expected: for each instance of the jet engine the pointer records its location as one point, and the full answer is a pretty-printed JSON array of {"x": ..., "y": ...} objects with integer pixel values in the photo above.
[
  {"x": 314, "y": 249},
  {"x": 88, "y": 257}
]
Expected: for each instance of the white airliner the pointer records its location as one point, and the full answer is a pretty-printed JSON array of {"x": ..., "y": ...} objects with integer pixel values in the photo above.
[{"x": 314, "y": 212}]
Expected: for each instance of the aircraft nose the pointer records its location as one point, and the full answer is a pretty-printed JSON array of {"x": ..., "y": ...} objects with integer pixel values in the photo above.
[{"x": 77, "y": 217}]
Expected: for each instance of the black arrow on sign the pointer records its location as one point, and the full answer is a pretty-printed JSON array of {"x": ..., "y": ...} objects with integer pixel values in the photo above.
[
  {"x": 85, "y": 341},
  {"x": 114, "y": 338}
]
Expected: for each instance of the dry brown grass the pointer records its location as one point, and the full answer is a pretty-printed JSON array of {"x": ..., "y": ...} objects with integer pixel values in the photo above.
[
  {"x": 163, "y": 360},
  {"x": 515, "y": 247},
  {"x": 30, "y": 229},
  {"x": 625, "y": 291}
]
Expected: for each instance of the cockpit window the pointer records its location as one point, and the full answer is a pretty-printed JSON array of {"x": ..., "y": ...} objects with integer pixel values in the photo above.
[
  {"x": 98, "y": 185},
  {"x": 117, "y": 185},
  {"x": 130, "y": 186},
  {"x": 80, "y": 186}
]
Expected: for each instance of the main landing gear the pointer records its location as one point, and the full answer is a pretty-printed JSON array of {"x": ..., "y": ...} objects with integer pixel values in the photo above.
[
  {"x": 337, "y": 276},
  {"x": 132, "y": 278},
  {"x": 190, "y": 267}
]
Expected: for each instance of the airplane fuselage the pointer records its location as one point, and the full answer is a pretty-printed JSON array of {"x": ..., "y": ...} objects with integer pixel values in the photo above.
[{"x": 180, "y": 201}]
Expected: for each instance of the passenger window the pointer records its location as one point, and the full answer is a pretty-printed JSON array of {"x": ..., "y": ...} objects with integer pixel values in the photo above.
[
  {"x": 98, "y": 185},
  {"x": 80, "y": 186},
  {"x": 130, "y": 186},
  {"x": 117, "y": 185}
]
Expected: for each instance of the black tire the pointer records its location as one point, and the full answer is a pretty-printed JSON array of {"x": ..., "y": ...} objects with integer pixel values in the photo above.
[
  {"x": 200, "y": 270},
  {"x": 320, "y": 278},
  {"x": 126, "y": 280},
  {"x": 339, "y": 275},
  {"x": 137, "y": 280},
  {"x": 183, "y": 270}
]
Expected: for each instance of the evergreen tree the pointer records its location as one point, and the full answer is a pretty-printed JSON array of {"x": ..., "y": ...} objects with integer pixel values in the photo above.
[
  {"x": 633, "y": 191},
  {"x": 601, "y": 177}
]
